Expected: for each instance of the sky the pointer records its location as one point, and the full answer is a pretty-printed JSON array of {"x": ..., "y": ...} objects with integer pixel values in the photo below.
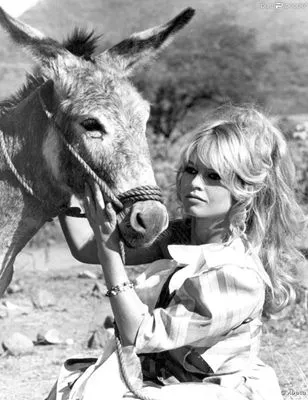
[{"x": 17, "y": 7}]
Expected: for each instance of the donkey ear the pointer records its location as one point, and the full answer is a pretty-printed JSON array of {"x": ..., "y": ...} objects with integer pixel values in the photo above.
[
  {"x": 40, "y": 47},
  {"x": 47, "y": 95},
  {"x": 140, "y": 47}
]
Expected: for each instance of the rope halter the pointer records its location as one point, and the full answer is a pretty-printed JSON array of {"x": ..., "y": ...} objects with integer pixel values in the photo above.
[{"x": 141, "y": 193}]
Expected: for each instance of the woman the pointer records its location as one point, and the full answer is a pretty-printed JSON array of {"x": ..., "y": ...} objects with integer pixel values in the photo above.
[{"x": 194, "y": 316}]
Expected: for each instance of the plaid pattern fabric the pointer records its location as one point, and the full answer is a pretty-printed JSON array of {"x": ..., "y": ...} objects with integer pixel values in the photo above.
[{"x": 216, "y": 304}]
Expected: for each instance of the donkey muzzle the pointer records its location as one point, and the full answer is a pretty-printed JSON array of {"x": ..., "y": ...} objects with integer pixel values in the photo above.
[{"x": 144, "y": 221}]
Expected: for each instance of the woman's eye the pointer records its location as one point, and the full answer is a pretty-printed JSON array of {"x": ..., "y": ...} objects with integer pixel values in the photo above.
[
  {"x": 190, "y": 170},
  {"x": 92, "y": 124},
  {"x": 213, "y": 176}
]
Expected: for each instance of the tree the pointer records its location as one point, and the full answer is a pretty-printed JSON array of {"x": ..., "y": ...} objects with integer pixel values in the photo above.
[{"x": 219, "y": 61}]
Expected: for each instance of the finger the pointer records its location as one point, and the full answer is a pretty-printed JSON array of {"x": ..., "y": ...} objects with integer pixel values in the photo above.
[
  {"x": 89, "y": 201},
  {"x": 99, "y": 199},
  {"x": 111, "y": 214}
]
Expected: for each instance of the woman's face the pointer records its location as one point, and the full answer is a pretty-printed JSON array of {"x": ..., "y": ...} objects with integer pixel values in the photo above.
[{"x": 202, "y": 193}]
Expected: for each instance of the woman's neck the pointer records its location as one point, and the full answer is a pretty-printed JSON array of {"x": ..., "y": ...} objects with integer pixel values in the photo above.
[{"x": 204, "y": 231}]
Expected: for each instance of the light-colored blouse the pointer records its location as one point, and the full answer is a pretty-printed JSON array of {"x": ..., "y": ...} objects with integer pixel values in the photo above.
[{"x": 216, "y": 308}]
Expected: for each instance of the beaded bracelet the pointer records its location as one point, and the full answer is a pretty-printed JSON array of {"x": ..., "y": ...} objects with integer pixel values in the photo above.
[{"x": 115, "y": 290}]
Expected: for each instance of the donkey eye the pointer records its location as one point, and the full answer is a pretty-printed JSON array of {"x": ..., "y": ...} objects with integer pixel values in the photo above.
[{"x": 92, "y": 124}]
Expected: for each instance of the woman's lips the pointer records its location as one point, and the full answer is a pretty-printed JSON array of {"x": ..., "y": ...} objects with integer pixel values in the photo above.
[{"x": 195, "y": 197}]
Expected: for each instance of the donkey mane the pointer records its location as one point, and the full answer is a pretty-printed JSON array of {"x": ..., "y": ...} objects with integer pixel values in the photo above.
[
  {"x": 80, "y": 42},
  {"x": 31, "y": 84}
]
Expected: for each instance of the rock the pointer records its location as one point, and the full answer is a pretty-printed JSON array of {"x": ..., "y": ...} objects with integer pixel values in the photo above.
[
  {"x": 109, "y": 322},
  {"x": 99, "y": 338},
  {"x": 3, "y": 312},
  {"x": 98, "y": 290},
  {"x": 12, "y": 309},
  {"x": 42, "y": 299},
  {"x": 18, "y": 344},
  {"x": 15, "y": 287},
  {"x": 52, "y": 336},
  {"x": 87, "y": 275}
]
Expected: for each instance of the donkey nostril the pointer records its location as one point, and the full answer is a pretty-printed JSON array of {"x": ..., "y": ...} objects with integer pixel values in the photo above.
[{"x": 140, "y": 220}]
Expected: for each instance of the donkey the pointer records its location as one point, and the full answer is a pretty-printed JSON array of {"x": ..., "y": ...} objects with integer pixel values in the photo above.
[{"x": 86, "y": 103}]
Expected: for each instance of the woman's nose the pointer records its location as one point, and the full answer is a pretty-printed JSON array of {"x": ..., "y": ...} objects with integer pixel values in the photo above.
[{"x": 198, "y": 182}]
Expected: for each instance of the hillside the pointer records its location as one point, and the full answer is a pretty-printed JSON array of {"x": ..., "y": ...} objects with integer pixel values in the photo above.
[{"x": 118, "y": 18}]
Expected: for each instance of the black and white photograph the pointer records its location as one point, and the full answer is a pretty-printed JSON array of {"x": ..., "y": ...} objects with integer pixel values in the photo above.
[{"x": 153, "y": 200}]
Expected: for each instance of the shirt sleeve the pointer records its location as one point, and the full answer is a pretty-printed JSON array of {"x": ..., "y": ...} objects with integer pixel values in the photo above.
[
  {"x": 148, "y": 284},
  {"x": 205, "y": 308}
]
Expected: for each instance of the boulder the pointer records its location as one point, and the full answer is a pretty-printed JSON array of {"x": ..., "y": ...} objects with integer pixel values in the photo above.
[
  {"x": 18, "y": 344},
  {"x": 52, "y": 336},
  {"x": 42, "y": 298},
  {"x": 99, "y": 338},
  {"x": 98, "y": 290},
  {"x": 87, "y": 275}
]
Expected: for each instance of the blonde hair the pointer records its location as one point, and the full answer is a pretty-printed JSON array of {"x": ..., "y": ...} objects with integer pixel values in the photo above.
[{"x": 252, "y": 159}]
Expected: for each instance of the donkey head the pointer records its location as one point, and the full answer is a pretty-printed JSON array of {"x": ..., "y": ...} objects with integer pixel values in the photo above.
[{"x": 100, "y": 113}]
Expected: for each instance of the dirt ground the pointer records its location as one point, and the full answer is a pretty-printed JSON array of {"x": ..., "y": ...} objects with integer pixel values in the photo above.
[{"x": 77, "y": 313}]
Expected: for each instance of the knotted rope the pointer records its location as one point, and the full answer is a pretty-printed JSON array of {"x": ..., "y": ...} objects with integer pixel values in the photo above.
[{"x": 129, "y": 197}]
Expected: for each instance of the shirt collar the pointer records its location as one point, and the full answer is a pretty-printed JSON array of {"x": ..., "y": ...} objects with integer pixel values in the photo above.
[{"x": 214, "y": 255}]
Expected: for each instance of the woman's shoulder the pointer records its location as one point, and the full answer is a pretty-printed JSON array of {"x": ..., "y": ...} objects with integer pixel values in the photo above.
[{"x": 241, "y": 256}]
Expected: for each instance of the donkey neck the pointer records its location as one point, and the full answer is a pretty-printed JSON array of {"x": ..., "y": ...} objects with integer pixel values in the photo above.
[{"x": 22, "y": 215}]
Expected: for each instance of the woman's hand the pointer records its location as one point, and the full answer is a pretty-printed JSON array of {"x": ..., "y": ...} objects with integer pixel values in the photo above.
[
  {"x": 127, "y": 308},
  {"x": 102, "y": 219}
]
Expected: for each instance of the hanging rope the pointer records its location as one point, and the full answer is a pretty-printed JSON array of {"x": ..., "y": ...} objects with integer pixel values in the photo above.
[
  {"x": 141, "y": 193},
  {"x": 119, "y": 350},
  {"x": 136, "y": 392}
]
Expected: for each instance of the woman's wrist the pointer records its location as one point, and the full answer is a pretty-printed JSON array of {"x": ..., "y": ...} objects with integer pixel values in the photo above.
[
  {"x": 110, "y": 255},
  {"x": 114, "y": 270},
  {"x": 108, "y": 246}
]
